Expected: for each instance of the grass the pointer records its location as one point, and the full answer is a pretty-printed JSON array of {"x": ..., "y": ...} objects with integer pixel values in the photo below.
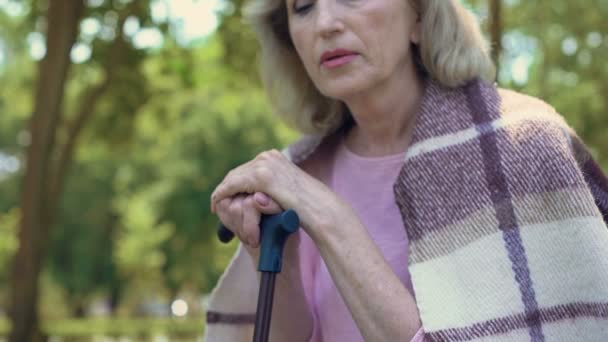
[{"x": 135, "y": 327}]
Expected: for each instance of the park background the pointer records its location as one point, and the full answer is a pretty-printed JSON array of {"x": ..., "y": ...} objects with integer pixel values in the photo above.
[{"x": 118, "y": 118}]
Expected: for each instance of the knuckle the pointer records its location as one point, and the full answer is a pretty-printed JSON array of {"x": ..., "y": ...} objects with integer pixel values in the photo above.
[
  {"x": 270, "y": 154},
  {"x": 263, "y": 156},
  {"x": 263, "y": 174}
]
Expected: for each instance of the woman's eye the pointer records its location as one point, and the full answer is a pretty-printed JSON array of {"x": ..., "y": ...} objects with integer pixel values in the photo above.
[{"x": 301, "y": 9}]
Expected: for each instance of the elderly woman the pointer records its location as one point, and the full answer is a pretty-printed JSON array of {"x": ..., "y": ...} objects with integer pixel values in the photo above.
[{"x": 433, "y": 205}]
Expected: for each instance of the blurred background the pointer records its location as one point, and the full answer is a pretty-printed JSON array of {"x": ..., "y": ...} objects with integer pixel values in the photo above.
[{"x": 118, "y": 118}]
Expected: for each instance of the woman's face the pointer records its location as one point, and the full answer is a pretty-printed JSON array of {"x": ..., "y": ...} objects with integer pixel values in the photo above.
[{"x": 352, "y": 46}]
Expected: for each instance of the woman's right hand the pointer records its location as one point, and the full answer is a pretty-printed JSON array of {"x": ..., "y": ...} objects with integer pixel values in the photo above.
[{"x": 242, "y": 214}]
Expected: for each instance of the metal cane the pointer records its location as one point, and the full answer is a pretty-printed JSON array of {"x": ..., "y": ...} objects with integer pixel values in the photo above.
[{"x": 275, "y": 229}]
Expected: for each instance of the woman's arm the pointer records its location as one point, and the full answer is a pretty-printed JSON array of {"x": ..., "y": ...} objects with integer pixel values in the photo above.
[
  {"x": 380, "y": 304},
  {"x": 382, "y": 307}
]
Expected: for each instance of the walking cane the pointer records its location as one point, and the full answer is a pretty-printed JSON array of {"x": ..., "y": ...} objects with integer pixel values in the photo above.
[{"x": 275, "y": 229}]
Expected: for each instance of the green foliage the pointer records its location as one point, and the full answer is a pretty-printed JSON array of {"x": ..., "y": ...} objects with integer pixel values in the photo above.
[
  {"x": 119, "y": 327},
  {"x": 568, "y": 47},
  {"x": 8, "y": 246},
  {"x": 239, "y": 42},
  {"x": 191, "y": 142},
  {"x": 8, "y": 243}
]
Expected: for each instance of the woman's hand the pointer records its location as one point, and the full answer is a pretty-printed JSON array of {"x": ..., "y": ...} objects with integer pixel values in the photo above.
[
  {"x": 272, "y": 174},
  {"x": 241, "y": 214}
]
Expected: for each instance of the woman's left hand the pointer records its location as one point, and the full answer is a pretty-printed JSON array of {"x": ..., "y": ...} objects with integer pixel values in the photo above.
[{"x": 292, "y": 188}]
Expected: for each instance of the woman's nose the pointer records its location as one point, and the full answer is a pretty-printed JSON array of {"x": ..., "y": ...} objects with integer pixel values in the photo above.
[{"x": 329, "y": 19}]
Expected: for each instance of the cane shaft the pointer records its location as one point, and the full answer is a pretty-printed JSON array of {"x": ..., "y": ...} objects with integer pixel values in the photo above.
[{"x": 264, "y": 310}]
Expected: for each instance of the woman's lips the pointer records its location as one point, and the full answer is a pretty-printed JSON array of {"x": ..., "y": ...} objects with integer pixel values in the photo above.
[{"x": 337, "y": 62}]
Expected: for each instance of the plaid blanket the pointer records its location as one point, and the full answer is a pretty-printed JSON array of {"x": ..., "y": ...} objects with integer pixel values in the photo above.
[{"x": 506, "y": 214}]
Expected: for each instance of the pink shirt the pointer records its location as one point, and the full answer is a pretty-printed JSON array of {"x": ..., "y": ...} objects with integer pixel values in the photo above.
[{"x": 367, "y": 184}]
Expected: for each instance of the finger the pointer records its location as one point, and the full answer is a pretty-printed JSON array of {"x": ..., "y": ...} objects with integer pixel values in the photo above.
[
  {"x": 256, "y": 175},
  {"x": 265, "y": 204},
  {"x": 251, "y": 222},
  {"x": 237, "y": 182},
  {"x": 236, "y": 215},
  {"x": 244, "y": 182},
  {"x": 236, "y": 172},
  {"x": 224, "y": 215}
]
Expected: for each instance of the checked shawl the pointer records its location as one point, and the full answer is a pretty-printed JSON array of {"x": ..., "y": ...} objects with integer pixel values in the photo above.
[{"x": 506, "y": 215}]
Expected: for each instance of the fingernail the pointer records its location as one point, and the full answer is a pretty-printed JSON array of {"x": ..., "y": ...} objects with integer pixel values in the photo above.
[{"x": 262, "y": 198}]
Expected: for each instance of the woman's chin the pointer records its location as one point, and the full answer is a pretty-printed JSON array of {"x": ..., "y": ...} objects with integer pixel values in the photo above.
[{"x": 343, "y": 92}]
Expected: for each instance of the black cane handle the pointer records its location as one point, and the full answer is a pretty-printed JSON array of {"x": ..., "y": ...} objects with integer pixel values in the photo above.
[{"x": 224, "y": 234}]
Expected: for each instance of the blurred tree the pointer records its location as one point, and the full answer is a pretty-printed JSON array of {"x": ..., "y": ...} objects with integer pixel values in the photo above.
[
  {"x": 185, "y": 147},
  {"x": 63, "y": 19},
  {"x": 557, "y": 51},
  {"x": 239, "y": 43},
  {"x": 82, "y": 248},
  {"x": 8, "y": 244},
  {"x": 496, "y": 31},
  {"x": 54, "y": 139},
  {"x": 137, "y": 219}
]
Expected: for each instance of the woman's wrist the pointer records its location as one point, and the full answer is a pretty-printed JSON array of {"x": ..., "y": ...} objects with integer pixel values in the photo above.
[{"x": 334, "y": 226}]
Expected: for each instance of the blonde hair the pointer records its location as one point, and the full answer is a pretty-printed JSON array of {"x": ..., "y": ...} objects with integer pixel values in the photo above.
[{"x": 452, "y": 51}]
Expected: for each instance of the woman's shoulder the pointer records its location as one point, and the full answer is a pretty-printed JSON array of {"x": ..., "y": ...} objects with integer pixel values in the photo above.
[
  {"x": 518, "y": 108},
  {"x": 543, "y": 154},
  {"x": 531, "y": 123},
  {"x": 537, "y": 146}
]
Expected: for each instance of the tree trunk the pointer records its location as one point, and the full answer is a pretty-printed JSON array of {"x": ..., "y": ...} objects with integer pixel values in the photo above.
[
  {"x": 496, "y": 31},
  {"x": 114, "y": 300},
  {"x": 63, "y": 19},
  {"x": 50, "y": 162}
]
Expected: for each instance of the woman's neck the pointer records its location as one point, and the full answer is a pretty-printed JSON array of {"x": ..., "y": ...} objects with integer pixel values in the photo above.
[{"x": 385, "y": 120}]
